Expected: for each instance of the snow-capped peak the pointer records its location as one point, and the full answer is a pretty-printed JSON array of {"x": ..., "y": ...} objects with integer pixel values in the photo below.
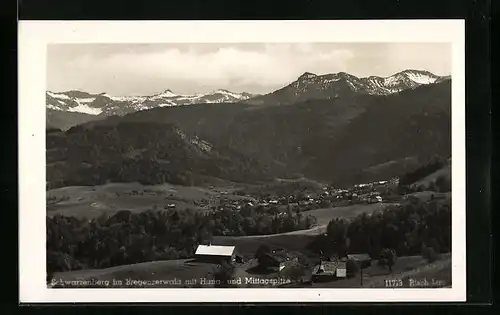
[
  {"x": 334, "y": 85},
  {"x": 85, "y": 109},
  {"x": 222, "y": 91},
  {"x": 169, "y": 93},
  {"x": 58, "y": 95},
  {"x": 105, "y": 104},
  {"x": 307, "y": 75},
  {"x": 163, "y": 95},
  {"x": 228, "y": 93},
  {"x": 420, "y": 77},
  {"x": 166, "y": 93}
]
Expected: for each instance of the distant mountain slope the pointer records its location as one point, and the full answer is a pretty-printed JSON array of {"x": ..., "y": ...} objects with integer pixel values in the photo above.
[
  {"x": 411, "y": 124},
  {"x": 445, "y": 172},
  {"x": 65, "y": 120},
  {"x": 347, "y": 139},
  {"x": 334, "y": 85},
  {"x": 74, "y": 101},
  {"x": 276, "y": 136},
  {"x": 149, "y": 153},
  {"x": 104, "y": 104}
]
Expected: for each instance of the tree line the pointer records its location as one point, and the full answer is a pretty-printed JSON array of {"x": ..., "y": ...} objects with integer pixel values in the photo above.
[
  {"x": 422, "y": 171},
  {"x": 128, "y": 238},
  {"x": 407, "y": 229}
]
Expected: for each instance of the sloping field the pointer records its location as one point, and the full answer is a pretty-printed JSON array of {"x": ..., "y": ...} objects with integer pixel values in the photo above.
[
  {"x": 389, "y": 169},
  {"x": 445, "y": 171},
  {"x": 429, "y": 195},
  {"x": 92, "y": 201},
  {"x": 168, "y": 273},
  {"x": 325, "y": 215}
]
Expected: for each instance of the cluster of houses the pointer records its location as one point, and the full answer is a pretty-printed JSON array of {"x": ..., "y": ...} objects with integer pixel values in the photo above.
[
  {"x": 336, "y": 268},
  {"x": 327, "y": 197},
  {"x": 362, "y": 193},
  {"x": 234, "y": 204},
  {"x": 359, "y": 193},
  {"x": 277, "y": 260}
]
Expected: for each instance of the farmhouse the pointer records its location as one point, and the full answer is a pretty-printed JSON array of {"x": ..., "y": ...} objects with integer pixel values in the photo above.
[
  {"x": 215, "y": 253},
  {"x": 329, "y": 270},
  {"x": 364, "y": 260}
]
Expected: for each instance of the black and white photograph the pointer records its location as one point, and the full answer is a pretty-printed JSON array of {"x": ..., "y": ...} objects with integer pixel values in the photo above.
[{"x": 249, "y": 165}]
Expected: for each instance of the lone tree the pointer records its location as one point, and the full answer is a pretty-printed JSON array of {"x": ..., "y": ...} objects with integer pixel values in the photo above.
[
  {"x": 223, "y": 275},
  {"x": 387, "y": 258},
  {"x": 261, "y": 251}
]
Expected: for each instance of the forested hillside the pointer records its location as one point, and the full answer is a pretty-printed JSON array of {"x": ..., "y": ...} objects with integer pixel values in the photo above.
[{"x": 149, "y": 153}]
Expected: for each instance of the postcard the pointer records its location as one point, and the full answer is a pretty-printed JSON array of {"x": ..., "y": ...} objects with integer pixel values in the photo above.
[{"x": 242, "y": 161}]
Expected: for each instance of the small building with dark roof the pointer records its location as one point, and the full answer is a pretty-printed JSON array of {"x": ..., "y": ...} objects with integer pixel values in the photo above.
[
  {"x": 329, "y": 270},
  {"x": 276, "y": 260}
]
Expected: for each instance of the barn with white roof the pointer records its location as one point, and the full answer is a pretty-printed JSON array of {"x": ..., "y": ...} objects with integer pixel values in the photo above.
[{"x": 215, "y": 253}]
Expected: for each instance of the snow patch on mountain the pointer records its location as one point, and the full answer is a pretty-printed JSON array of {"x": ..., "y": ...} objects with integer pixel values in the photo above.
[
  {"x": 188, "y": 97},
  {"x": 168, "y": 103},
  {"x": 58, "y": 95},
  {"x": 85, "y": 109},
  {"x": 388, "y": 81},
  {"x": 127, "y": 98},
  {"x": 52, "y": 107},
  {"x": 421, "y": 78},
  {"x": 231, "y": 94},
  {"x": 331, "y": 80},
  {"x": 86, "y": 100}
]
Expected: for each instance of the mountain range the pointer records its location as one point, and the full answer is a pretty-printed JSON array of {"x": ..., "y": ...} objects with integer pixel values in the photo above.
[
  {"x": 66, "y": 109},
  {"x": 341, "y": 135},
  {"x": 334, "y": 85},
  {"x": 104, "y": 104}
]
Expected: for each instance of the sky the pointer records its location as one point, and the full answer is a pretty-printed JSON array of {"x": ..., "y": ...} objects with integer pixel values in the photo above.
[{"x": 145, "y": 69}]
